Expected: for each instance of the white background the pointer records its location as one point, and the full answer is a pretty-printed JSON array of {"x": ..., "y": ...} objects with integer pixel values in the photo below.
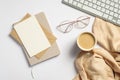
[{"x": 13, "y": 64}]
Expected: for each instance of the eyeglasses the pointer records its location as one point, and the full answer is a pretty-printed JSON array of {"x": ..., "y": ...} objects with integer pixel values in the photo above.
[{"x": 67, "y": 26}]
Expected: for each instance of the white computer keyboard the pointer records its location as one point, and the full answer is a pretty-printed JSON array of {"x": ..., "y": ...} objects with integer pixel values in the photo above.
[{"x": 108, "y": 10}]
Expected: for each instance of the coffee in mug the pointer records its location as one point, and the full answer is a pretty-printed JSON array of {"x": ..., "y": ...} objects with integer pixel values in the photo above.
[{"x": 86, "y": 41}]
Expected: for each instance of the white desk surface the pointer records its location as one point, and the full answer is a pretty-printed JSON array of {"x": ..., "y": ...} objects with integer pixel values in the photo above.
[{"x": 13, "y": 64}]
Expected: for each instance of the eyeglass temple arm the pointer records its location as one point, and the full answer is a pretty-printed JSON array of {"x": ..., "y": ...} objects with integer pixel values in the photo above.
[{"x": 82, "y": 20}]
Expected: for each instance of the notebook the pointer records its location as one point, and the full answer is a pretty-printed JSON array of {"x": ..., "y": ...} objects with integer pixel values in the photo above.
[
  {"x": 32, "y": 36},
  {"x": 46, "y": 54}
]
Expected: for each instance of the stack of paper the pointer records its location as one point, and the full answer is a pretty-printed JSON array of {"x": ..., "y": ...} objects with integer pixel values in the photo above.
[{"x": 34, "y": 35}]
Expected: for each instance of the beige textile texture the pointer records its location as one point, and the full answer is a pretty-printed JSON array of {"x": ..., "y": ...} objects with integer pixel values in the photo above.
[{"x": 101, "y": 63}]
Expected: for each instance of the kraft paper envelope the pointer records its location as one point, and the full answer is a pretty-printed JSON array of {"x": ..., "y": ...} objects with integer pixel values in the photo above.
[{"x": 46, "y": 54}]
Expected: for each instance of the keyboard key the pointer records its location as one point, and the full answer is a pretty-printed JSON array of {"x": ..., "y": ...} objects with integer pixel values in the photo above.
[
  {"x": 116, "y": 5},
  {"x": 115, "y": 15},
  {"x": 119, "y": 7},
  {"x": 108, "y": 1},
  {"x": 74, "y": 3},
  {"x": 111, "y": 8},
  {"x": 118, "y": 21},
  {"x": 111, "y": 13},
  {"x": 81, "y": 1},
  {"x": 86, "y": 2},
  {"x": 119, "y": 11},
  {"x": 114, "y": 19},
  {"x": 103, "y": 1},
  {"x": 98, "y": 8},
  {"x": 119, "y": 16},
  {"x": 107, "y": 6},
  {"x": 112, "y": 3},
  {"x": 103, "y": 10},
  {"x": 115, "y": 10},
  {"x": 98, "y": 3},
  {"x": 95, "y": 6},
  {"x": 102, "y": 4},
  {"x": 90, "y": 4},
  {"x": 110, "y": 17},
  {"x": 79, "y": 5},
  {"x": 116, "y": 1},
  {"x": 93, "y": 10},
  {"x": 107, "y": 11},
  {"x": 94, "y": 1},
  {"x": 105, "y": 16},
  {"x": 70, "y": 1}
]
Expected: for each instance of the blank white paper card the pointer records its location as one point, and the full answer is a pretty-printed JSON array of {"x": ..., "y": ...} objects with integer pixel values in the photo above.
[{"x": 32, "y": 36}]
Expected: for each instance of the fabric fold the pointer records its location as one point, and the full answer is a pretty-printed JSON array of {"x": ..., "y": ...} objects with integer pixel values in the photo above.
[{"x": 101, "y": 63}]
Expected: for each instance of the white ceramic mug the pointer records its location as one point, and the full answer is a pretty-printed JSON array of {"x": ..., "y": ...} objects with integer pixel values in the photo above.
[{"x": 86, "y": 40}]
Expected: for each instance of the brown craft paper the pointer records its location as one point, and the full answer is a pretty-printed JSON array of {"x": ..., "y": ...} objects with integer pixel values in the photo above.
[{"x": 46, "y": 54}]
